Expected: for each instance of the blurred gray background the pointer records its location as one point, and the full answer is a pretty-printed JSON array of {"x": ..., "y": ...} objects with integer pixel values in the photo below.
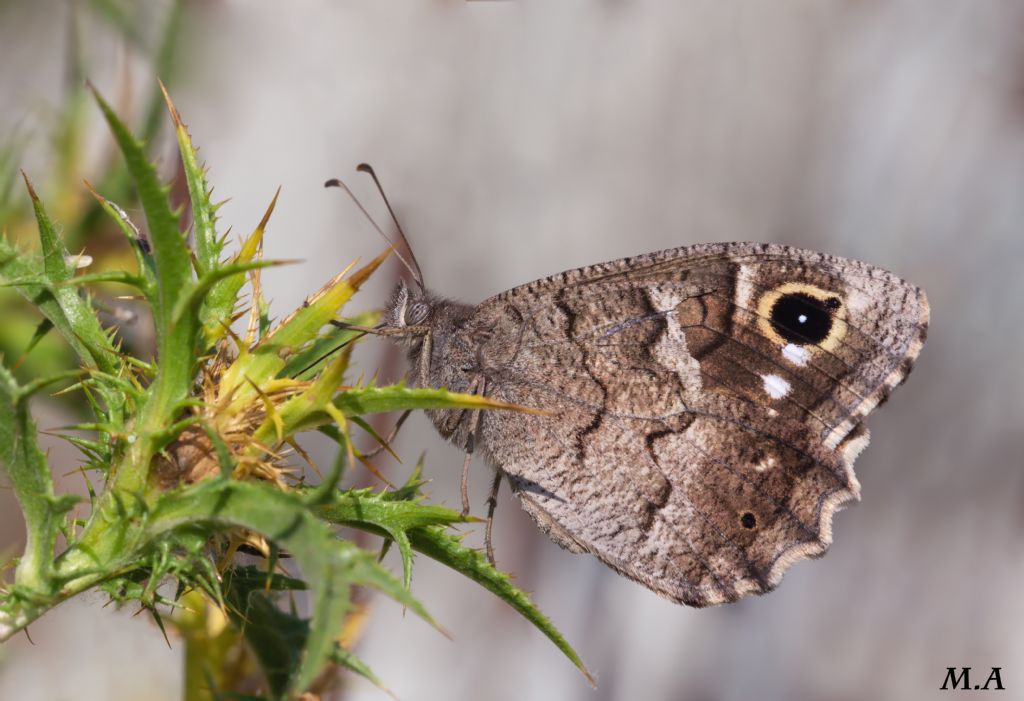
[{"x": 519, "y": 139}]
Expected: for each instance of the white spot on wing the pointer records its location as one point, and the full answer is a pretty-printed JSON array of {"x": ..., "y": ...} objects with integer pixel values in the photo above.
[
  {"x": 857, "y": 301},
  {"x": 744, "y": 287},
  {"x": 795, "y": 354},
  {"x": 775, "y": 386}
]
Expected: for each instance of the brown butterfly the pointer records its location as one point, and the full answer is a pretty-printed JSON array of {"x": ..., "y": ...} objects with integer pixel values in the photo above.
[{"x": 703, "y": 405}]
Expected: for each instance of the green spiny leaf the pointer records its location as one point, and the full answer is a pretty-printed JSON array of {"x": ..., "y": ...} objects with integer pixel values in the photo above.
[
  {"x": 307, "y": 363},
  {"x": 176, "y": 342},
  {"x": 204, "y": 231},
  {"x": 423, "y": 525},
  {"x": 330, "y": 565},
  {"x": 348, "y": 660},
  {"x": 316, "y": 398},
  {"x": 29, "y": 475},
  {"x": 189, "y": 304},
  {"x": 275, "y": 636},
  {"x": 251, "y": 370},
  {"x": 305, "y": 415},
  {"x": 44, "y": 327},
  {"x": 223, "y": 297},
  {"x": 378, "y": 511},
  {"x": 122, "y": 277},
  {"x": 73, "y": 316},
  {"x": 435, "y": 543},
  {"x": 374, "y": 400},
  {"x": 383, "y": 514},
  {"x": 143, "y": 259},
  {"x": 55, "y": 267},
  {"x": 173, "y": 267}
]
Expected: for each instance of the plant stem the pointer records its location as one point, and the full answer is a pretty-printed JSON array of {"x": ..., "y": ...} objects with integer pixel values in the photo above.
[{"x": 209, "y": 643}]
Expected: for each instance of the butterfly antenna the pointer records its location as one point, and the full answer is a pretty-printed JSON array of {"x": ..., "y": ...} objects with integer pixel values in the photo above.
[
  {"x": 367, "y": 168},
  {"x": 335, "y": 182}
]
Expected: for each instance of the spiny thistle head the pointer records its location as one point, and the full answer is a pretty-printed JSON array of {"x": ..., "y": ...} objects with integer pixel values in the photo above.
[{"x": 192, "y": 448}]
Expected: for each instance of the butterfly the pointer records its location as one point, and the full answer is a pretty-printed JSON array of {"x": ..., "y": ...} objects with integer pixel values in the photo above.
[{"x": 702, "y": 407}]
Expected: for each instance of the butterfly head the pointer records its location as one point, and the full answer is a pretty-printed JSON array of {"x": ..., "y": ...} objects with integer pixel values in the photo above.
[
  {"x": 416, "y": 319},
  {"x": 408, "y": 312}
]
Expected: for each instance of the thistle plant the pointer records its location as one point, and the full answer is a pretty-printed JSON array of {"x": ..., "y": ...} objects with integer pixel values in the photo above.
[{"x": 187, "y": 454}]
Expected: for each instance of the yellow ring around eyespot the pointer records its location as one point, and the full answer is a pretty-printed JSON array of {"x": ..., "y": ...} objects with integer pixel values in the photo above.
[{"x": 768, "y": 299}]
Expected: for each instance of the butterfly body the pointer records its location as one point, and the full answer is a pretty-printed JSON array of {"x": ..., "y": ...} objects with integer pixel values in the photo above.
[{"x": 702, "y": 406}]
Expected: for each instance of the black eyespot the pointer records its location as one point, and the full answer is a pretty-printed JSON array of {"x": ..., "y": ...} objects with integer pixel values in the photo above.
[
  {"x": 802, "y": 319},
  {"x": 416, "y": 313},
  {"x": 748, "y": 520}
]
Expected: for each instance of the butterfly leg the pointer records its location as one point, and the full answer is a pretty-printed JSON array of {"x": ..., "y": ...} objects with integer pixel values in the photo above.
[
  {"x": 391, "y": 436},
  {"x": 474, "y": 418},
  {"x": 492, "y": 503},
  {"x": 425, "y": 354}
]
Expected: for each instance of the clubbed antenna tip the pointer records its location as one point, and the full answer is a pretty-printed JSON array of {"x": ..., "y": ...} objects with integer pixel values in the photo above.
[{"x": 413, "y": 268}]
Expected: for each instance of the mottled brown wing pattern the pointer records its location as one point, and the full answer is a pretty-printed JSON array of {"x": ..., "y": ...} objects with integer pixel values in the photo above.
[{"x": 707, "y": 406}]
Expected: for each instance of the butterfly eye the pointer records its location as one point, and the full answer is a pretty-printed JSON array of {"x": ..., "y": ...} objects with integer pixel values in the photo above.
[
  {"x": 802, "y": 319},
  {"x": 416, "y": 313}
]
